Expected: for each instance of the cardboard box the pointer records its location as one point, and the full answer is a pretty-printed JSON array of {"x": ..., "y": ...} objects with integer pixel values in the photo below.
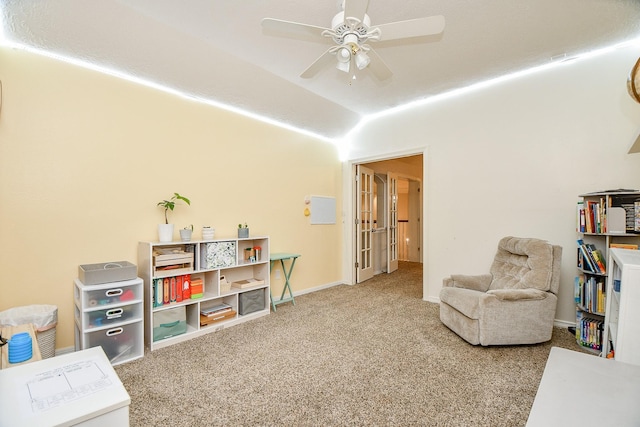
[{"x": 208, "y": 320}]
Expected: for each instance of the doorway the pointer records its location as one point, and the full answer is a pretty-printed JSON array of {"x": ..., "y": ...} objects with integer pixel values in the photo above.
[{"x": 388, "y": 206}]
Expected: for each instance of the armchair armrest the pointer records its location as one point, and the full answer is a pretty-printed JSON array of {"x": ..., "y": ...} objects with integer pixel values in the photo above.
[
  {"x": 477, "y": 283},
  {"x": 517, "y": 294}
]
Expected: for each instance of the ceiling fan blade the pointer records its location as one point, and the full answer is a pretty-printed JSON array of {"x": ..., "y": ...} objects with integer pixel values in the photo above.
[
  {"x": 292, "y": 27},
  {"x": 318, "y": 64},
  {"x": 412, "y": 28},
  {"x": 355, "y": 8},
  {"x": 377, "y": 65}
]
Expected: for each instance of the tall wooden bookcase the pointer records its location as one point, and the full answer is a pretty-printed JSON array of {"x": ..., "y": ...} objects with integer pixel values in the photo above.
[{"x": 603, "y": 220}]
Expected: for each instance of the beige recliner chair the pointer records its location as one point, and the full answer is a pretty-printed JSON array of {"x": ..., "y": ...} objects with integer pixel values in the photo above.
[{"x": 514, "y": 304}]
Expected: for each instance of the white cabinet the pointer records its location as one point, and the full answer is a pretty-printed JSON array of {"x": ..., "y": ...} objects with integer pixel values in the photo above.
[
  {"x": 110, "y": 315},
  {"x": 622, "y": 320},
  {"x": 78, "y": 389},
  {"x": 197, "y": 287}
]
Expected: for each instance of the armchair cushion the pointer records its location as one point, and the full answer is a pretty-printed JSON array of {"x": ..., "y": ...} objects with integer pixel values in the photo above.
[
  {"x": 464, "y": 300},
  {"x": 516, "y": 294},
  {"x": 522, "y": 263},
  {"x": 477, "y": 283}
]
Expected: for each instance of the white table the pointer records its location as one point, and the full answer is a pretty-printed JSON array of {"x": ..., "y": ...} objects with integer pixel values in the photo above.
[
  {"x": 579, "y": 389},
  {"x": 74, "y": 389}
]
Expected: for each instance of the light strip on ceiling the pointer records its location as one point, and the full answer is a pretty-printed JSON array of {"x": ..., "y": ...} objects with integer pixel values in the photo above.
[
  {"x": 4, "y": 41},
  {"x": 564, "y": 61}
]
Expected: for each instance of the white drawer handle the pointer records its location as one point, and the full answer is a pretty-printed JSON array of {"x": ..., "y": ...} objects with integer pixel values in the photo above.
[
  {"x": 115, "y": 331},
  {"x": 113, "y": 292},
  {"x": 114, "y": 313}
]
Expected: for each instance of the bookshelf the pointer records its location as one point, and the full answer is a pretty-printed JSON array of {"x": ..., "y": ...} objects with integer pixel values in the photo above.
[
  {"x": 604, "y": 220},
  {"x": 622, "y": 323},
  {"x": 224, "y": 282}
]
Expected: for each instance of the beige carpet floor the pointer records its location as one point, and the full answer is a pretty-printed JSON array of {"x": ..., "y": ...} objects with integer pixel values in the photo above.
[{"x": 369, "y": 354}]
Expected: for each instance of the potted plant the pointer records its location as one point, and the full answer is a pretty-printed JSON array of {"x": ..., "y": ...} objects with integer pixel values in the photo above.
[
  {"x": 165, "y": 231},
  {"x": 243, "y": 231},
  {"x": 185, "y": 233}
]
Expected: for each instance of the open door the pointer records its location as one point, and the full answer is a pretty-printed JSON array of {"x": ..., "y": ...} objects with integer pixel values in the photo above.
[
  {"x": 392, "y": 215},
  {"x": 364, "y": 224}
]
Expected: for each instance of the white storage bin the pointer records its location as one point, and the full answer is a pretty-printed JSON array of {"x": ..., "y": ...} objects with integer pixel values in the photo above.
[
  {"x": 119, "y": 342},
  {"x": 110, "y": 294},
  {"x": 169, "y": 323}
]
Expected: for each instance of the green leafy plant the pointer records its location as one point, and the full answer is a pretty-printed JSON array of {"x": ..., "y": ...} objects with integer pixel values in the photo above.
[
  {"x": 189, "y": 227},
  {"x": 168, "y": 205},
  {"x": 243, "y": 226}
]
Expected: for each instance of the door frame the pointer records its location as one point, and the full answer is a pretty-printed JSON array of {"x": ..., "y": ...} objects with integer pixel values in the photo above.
[{"x": 349, "y": 172}]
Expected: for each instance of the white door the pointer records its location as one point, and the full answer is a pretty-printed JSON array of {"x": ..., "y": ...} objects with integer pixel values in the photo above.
[
  {"x": 392, "y": 215},
  {"x": 414, "y": 230},
  {"x": 364, "y": 224}
]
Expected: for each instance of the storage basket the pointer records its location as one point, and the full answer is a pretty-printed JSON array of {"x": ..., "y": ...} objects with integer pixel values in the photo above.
[{"x": 47, "y": 341}]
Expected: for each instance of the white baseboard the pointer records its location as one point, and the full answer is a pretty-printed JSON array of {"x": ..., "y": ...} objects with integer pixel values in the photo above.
[
  {"x": 317, "y": 288},
  {"x": 563, "y": 323},
  {"x": 65, "y": 350}
]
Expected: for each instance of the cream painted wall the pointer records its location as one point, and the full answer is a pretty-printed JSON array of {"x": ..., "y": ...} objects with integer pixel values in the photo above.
[
  {"x": 511, "y": 159},
  {"x": 85, "y": 157}
]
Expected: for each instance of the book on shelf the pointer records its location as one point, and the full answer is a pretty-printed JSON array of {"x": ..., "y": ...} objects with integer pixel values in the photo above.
[
  {"x": 169, "y": 290},
  {"x": 587, "y": 258},
  {"x": 624, "y": 246},
  {"x": 595, "y": 216},
  {"x": 589, "y": 332},
  {"x": 215, "y": 310},
  {"x": 580, "y": 218},
  {"x": 583, "y": 260},
  {"x": 590, "y": 293},
  {"x": 598, "y": 258}
]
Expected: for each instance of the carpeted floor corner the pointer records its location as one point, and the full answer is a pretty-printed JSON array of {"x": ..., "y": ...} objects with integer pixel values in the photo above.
[{"x": 369, "y": 354}]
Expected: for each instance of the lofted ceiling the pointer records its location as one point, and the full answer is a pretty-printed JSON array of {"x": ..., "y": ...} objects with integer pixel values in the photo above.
[{"x": 217, "y": 50}]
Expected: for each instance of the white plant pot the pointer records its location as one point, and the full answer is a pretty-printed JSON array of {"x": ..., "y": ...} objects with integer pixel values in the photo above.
[
  {"x": 185, "y": 235},
  {"x": 208, "y": 233},
  {"x": 165, "y": 232}
]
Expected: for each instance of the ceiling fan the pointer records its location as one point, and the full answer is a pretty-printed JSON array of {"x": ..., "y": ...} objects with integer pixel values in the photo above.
[{"x": 350, "y": 30}]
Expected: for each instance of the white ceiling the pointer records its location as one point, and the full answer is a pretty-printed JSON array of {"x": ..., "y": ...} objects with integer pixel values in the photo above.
[{"x": 217, "y": 50}]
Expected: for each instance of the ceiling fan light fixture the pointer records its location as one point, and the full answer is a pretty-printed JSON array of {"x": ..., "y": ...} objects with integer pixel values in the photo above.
[
  {"x": 350, "y": 32},
  {"x": 343, "y": 55},
  {"x": 362, "y": 60},
  {"x": 343, "y": 66}
]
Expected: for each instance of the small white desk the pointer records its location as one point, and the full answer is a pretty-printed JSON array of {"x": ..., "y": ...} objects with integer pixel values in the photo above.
[
  {"x": 579, "y": 389},
  {"x": 74, "y": 389}
]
